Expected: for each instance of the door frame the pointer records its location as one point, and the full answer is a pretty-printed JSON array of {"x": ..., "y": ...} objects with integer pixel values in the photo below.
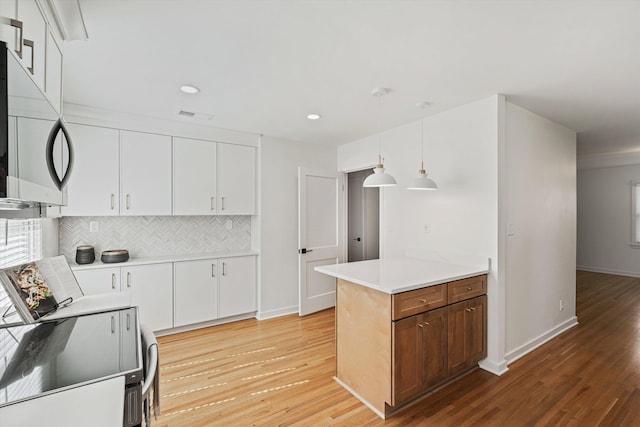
[{"x": 343, "y": 211}]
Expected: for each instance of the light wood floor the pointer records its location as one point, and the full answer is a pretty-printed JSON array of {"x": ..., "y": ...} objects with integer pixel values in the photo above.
[{"x": 279, "y": 372}]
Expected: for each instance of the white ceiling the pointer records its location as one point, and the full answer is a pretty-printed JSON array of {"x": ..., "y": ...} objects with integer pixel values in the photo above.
[{"x": 262, "y": 66}]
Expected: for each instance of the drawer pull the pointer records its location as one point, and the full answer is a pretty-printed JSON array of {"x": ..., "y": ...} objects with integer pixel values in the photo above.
[
  {"x": 468, "y": 310},
  {"x": 469, "y": 288},
  {"x": 423, "y": 300},
  {"x": 420, "y": 325},
  {"x": 128, "y": 279},
  {"x": 113, "y": 280}
]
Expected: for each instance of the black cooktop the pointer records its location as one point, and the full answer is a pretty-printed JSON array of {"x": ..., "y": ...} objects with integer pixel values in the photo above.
[{"x": 51, "y": 356}]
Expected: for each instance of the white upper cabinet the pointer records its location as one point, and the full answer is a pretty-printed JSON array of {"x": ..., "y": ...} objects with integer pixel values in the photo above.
[
  {"x": 236, "y": 179},
  {"x": 8, "y": 34},
  {"x": 34, "y": 27},
  {"x": 145, "y": 174},
  {"x": 53, "y": 77},
  {"x": 194, "y": 177},
  {"x": 93, "y": 189}
]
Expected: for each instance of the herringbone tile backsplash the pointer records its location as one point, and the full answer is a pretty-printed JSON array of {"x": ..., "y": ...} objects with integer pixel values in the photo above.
[{"x": 146, "y": 236}]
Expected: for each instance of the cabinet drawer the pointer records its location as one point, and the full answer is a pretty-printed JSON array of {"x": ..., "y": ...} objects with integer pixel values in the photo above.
[
  {"x": 461, "y": 290},
  {"x": 414, "y": 302}
]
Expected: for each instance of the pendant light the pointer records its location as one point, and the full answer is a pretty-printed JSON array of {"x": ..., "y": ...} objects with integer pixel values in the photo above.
[
  {"x": 379, "y": 178},
  {"x": 422, "y": 182}
]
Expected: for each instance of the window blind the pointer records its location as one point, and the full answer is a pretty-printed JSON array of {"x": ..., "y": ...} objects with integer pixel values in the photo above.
[{"x": 20, "y": 242}]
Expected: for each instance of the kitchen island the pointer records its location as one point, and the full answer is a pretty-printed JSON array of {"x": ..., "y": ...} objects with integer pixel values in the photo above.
[{"x": 405, "y": 327}]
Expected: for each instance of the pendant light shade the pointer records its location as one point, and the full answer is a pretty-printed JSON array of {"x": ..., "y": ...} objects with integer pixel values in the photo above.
[
  {"x": 379, "y": 178},
  {"x": 422, "y": 182}
]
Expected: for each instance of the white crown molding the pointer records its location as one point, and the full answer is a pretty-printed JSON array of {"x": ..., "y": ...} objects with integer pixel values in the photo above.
[
  {"x": 94, "y": 116},
  {"x": 608, "y": 160}
]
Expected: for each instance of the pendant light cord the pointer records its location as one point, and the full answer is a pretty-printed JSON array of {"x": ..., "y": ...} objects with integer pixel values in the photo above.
[
  {"x": 422, "y": 137},
  {"x": 380, "y": 129}
]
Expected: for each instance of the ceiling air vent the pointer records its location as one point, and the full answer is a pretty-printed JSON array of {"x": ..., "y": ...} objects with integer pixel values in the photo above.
[{"x": 193, "y": 115}]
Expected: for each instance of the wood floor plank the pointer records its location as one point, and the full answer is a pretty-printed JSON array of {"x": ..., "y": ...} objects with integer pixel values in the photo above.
[{"x": 279, "y": 372}]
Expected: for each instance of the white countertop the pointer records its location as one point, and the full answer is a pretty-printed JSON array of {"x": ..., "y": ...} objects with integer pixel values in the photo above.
[
  {"x": 395, "y": 275},
  {"x": 159, "y": 259}
]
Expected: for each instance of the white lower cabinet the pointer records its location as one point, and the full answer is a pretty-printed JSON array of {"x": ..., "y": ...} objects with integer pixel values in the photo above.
[
  {"x": 236, "y": 285},
  {"x": 195, "y": 291},
  {"x": 179, "y": 293},
  {"x": 214, "y": 288},
  {"x": 151, "y": 289},
  {"x": 99, "y": 281}
]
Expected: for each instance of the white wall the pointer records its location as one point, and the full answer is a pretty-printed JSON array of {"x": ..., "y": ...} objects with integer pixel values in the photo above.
[
  {"x": 279, "y": 219},
  {"x": 604, "y": 220},
  {"x": 461, "y": 155},
  {"x": 540, "y": 178}
]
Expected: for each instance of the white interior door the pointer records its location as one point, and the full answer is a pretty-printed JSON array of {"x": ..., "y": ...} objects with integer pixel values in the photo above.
[{"x": 317, "y": 238}]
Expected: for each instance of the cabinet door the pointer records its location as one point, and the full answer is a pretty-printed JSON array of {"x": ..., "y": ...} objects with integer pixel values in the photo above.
[
  {"x": 434, "y": 347},
  {"x": 145, "y": 174},
  {"x": 236, "y": 169},
  {"x": 237, "y": 285},
  {"x": 467, "y": 334},
  {"x": 53, "y": 77},
  {"x": 478, "y": 330},
  {"x": 195, "y": 291},
  {"x": 151, "y": 289},
  {"x": 194, "y": 177},
  {"x": 93, "y": 187},
  {"x": 407, "y": 359},
  {"x": 98, "y": 281},
  {"x": 34, "y": 29},
  {"x": 8, "y": 34}
]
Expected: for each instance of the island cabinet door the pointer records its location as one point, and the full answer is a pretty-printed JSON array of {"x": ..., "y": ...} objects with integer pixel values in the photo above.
[
  {"x": 434, "y": 347},
  {"x": 407, "y": 365},
  {"x": 419, "y": 354},
  {"x": 467, "y": 334}
]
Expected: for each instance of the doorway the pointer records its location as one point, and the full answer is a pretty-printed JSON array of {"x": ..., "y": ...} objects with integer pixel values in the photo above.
[{"x": 363, "y": 218}]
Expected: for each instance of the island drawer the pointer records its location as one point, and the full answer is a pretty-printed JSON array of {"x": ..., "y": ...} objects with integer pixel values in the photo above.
[
  {"x": 461, "y": 290},
  {"x": 413, "y": 302}
]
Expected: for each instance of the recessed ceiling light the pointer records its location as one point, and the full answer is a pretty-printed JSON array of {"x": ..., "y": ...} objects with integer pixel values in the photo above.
[
  {"x": 189, "y": 89},
  {"x": 313, "y": 116}
]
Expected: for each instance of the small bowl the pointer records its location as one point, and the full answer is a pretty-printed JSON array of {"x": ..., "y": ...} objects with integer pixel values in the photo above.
[
  {"x": 85, "y": 254},
  {"x": 115, "y": 255}
]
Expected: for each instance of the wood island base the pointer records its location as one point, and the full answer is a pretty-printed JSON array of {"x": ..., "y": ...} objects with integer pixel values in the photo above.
[{"x": 393, "y": 350}]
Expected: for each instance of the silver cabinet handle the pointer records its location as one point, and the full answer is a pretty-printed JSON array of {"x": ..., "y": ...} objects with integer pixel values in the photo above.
[
  {"x": 18, "y": 24},
  {"x": 213, "y": 270},
  {"x": 30, "y": 44},
  {"x": 113, "y": 280},
  {"x": 128, "y": 198},
  {"x": 113, "y": 325},
  {"x": 221, "y": 203},
  {"x": 224, "y": 268},
  {"x": 128, "y": 322},
  {"x": 213, "y": 203},
  {"x": 113, "y": 201},
  {"x": 128, "y": 279}
]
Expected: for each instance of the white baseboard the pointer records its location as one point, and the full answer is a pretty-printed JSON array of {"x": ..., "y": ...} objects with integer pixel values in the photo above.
[
  {"x": 263, "y": 315},
  {"x": 608, "y": 271},
  {"x": 519, "y": 352},
  {"x": 496, "y": 368}
]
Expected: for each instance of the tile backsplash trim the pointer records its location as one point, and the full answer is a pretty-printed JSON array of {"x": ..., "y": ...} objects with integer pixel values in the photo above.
[{"x": 147, "y": 236}]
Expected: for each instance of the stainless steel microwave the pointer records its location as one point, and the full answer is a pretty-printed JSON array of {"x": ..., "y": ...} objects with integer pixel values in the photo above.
[{"x": 36, "y": 155}]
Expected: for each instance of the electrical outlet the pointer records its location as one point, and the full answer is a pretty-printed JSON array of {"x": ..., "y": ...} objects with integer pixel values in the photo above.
[
  {"x": 94, "y": 227},
  {"x": 561, "y": 305},
  {"x": 229, "y": 224},
  {"x": 426, "y": 228}
]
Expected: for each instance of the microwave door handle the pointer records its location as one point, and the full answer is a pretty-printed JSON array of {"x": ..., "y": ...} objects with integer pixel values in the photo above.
[{"x": 59, "y": 126}]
